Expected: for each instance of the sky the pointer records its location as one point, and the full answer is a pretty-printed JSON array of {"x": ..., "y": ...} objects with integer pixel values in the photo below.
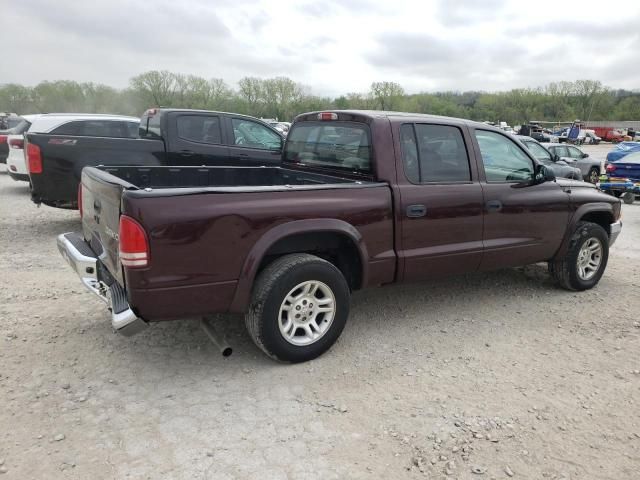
[{"x": 332, "y": 47}]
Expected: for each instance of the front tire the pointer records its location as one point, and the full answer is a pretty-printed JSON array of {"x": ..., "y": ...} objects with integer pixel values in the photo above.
[
  {"x": 585, "y": 260},
  {"x": 299, "y": 307},
  {"x": 628, "y": 197},
  {"x": 594, "y": 175}
]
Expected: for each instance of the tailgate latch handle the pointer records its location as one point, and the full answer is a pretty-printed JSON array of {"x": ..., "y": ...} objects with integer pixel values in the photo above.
[{"x": 97, "y": 206}]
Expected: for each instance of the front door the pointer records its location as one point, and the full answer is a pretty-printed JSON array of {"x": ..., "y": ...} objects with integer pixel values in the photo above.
[
  {"x": 523, "y": 222},
  {"x": 440, "y": 211}
]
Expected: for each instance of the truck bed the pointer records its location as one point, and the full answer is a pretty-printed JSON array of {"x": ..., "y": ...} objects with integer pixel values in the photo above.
[
  {"x": 219, "y": 178},
  {"x": 203, "y": 222}
]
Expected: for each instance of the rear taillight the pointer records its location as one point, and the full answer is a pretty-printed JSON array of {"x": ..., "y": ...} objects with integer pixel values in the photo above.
[
  {"x": 134, "y": 247},
  {"x": 34, "y": 159},
  {"x": 611, "y": 168},
  {"x": 80, "y": 198},
  {"x": 16, "y": 143},
  {"x": 3, "y": 139}
]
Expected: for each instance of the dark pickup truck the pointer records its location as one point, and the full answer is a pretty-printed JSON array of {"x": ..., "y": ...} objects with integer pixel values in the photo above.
[
  {"x": 167, "y": 137},
  {"x": 362, "y": 199}
]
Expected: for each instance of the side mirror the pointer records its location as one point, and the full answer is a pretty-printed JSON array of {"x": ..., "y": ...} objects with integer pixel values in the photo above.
[
  {"x": 543, "y": 174},
  {"x": 555, "y": 157},
  {"x": 585, "y": 155}
]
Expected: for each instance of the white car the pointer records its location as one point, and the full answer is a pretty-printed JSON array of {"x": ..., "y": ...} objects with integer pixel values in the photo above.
[
  {"x": 75, "y": 124},
  {"x": 16, "y": 163}
]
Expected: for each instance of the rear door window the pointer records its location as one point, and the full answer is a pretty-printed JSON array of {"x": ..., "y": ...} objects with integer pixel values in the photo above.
[
  {"x": 94, "y": 128},
  {"x": 70, "y": 128},
  {"x": 200, "y": 128},
  {"x": 434, "y": 154}
]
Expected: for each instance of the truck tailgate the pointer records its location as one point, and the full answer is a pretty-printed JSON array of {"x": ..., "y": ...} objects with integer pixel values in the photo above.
[{"x": 100, "y": 196}]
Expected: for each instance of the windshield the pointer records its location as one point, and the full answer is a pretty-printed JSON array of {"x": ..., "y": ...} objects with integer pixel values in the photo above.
[{"x": 337, "y": 145}]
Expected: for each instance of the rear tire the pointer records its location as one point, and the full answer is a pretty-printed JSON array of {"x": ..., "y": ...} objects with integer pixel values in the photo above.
[
  {"x": 586, "y": 258},
  {"x": 594, "y": 175},
  {"x": 299, "y": 307}
]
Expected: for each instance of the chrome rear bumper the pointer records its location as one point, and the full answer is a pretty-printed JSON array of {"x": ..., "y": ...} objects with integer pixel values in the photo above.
[
  {"x": 616, "y": 228},
  {"x": 84, "y": 262}
]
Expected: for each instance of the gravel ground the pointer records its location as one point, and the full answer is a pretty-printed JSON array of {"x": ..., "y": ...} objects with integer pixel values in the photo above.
[{"x": 493, "y": 375}]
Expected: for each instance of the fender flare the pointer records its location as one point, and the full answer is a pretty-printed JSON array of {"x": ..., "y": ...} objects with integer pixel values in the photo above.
[
  {"x": 578, "y": 214},
  {"x": 254, "y": 258}
]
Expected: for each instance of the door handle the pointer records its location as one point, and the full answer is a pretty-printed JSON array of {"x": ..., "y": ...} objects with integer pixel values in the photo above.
[
  {"x": 416, "y": 211},
  {"x": 494, "y": 205}
]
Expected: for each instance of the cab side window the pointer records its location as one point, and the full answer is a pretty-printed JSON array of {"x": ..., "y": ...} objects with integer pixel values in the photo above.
[
  {"x": 200, "y": 128},
  {"x": 254, "y": 135},
  {"x": 70, "y": 128},
  {"x": 503, "y": 159},
  {"x": 434, "y": 154},
  {"x": 560, "y": 151},
  {"x": 538, "y": 151},
  {"x": 574, "y": 153}
]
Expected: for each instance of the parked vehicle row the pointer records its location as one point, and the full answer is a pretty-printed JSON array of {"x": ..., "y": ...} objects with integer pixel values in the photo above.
[
  {"x": 56, "y": 157},
  {"x": 566, "y": 160},
  {"x": 360, "y": 199}
]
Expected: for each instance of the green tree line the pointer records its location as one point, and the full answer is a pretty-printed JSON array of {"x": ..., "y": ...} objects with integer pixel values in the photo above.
[{"x": 282, "y": 98}]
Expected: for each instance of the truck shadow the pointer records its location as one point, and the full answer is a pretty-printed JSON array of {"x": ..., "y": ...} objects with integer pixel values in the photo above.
[{"x": 376, "y": 314}]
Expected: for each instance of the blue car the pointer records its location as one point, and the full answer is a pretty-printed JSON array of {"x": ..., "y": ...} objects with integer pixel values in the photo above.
[{"x": 623, "y": 149}]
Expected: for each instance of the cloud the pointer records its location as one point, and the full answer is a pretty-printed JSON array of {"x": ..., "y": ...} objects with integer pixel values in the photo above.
[
  {"x": 465, "y": 12},
  {"x": 334, "y": 46}
]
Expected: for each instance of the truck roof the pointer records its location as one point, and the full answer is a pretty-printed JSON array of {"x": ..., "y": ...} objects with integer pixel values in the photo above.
[
  {"x": 403, "y": 115},
  {"x": 162, "y": 110}
]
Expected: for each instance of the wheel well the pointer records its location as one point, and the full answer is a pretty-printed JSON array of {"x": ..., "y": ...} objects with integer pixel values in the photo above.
[
  {"x": 604, "y": 219},
  {"x": 337, "y": 248}
]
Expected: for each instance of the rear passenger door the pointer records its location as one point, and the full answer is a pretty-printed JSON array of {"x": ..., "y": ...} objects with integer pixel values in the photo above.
[
  {"x": 196, "y": 139},
  {"x": 440, "y": 212},
  {"x": 252, "y": 143}
]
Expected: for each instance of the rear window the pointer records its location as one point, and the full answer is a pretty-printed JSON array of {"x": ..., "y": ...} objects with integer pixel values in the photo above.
[{"x": 337, "y": 145}]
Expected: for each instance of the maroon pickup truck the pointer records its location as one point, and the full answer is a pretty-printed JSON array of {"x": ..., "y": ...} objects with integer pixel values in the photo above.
[{"x": 361, "y": 199}]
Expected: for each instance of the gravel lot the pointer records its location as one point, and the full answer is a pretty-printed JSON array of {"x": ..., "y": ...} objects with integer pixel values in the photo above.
[{"x": 493, "y": 375}]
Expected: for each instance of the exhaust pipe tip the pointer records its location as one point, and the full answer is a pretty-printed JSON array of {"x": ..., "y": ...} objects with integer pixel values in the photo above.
[{"x": 218, "y": 340}]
